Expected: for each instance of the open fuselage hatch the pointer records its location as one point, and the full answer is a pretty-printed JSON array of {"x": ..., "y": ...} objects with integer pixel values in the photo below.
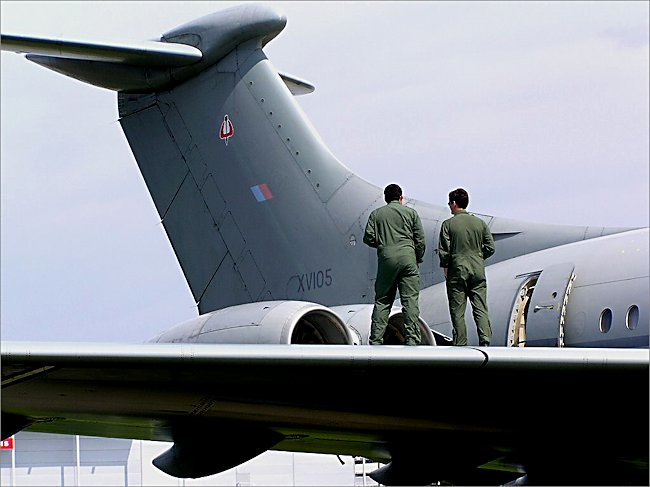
[{"x": 539, "y": 312}]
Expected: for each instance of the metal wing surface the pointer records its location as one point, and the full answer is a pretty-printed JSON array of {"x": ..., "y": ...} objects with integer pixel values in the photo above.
[
  {"x": 330, "y": 399},
  {"x": 140, "y": 53}
]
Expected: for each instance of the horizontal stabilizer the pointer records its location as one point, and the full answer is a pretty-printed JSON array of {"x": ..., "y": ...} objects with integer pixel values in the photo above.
[
  {"x": 138, "y": 53},
  {"x": 154, "y": 66},
  {"x": 297, "y": 86}
]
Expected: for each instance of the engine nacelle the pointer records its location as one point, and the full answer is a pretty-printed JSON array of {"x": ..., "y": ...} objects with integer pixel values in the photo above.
[
  {"x": 358, "y": 317},
  {"x": 268, "y": 322}
]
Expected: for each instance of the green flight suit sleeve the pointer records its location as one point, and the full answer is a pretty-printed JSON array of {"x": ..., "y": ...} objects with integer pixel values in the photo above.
[
  {"x": 443, "y": 245},
  {"x": 370, "y": 235},
  {"x": 418, "y": 239},
  {"x": 487, "y": 246}
]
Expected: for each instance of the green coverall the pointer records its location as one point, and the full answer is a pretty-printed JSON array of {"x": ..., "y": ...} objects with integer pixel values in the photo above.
[
  {"x": 465, "y": 243},
  {"x": 396, "y": 232}
]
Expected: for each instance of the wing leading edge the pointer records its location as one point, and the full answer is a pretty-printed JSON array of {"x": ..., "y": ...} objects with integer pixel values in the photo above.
[{"x": 503, "y": 401}]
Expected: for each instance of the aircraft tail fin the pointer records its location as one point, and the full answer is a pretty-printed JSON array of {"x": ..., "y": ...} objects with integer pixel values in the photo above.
[
  {"x": 245, "y": 188},
  {"x": 255, "y": 206}
]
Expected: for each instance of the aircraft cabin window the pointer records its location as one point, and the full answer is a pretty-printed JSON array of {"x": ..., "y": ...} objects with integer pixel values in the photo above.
[
  {"x": 605, "y": 322},
  {"x": 632, "y": 317}
]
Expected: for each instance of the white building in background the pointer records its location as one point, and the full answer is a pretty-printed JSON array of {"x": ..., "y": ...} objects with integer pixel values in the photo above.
[{"x": 37, "y": 459}]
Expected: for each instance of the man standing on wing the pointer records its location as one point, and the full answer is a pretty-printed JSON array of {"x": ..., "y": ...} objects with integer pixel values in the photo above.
[
  {"x": 396, "y": 232},
  {"x": 465, "y": 243}
]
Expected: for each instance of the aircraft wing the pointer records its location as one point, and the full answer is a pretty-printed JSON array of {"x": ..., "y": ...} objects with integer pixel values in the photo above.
[{"x": 383, "y": 402}]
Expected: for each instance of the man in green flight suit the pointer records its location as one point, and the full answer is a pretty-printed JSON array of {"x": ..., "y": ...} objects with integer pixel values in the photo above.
[
  {"x": 465, "y": 242},
  {"x": 396, "y": 232}
]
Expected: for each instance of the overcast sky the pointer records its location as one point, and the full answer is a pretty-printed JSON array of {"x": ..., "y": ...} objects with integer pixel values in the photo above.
[{"x": 539, "y": 109}]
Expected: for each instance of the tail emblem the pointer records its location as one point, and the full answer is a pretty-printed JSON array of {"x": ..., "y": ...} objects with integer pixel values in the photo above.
[
  {"x": 261, "y": 192},
  {"x": 227, "y": 130}
]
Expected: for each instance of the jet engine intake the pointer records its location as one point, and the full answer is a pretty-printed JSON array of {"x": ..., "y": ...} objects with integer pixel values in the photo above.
[
  {"x": 358, "y": 317},
  {"x": 267, "y": 322}
]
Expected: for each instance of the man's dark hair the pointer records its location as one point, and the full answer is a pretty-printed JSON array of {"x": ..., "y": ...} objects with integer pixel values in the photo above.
[
  {"x": 460, "y": 196},
  {"x": 392, "y": 192}
]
